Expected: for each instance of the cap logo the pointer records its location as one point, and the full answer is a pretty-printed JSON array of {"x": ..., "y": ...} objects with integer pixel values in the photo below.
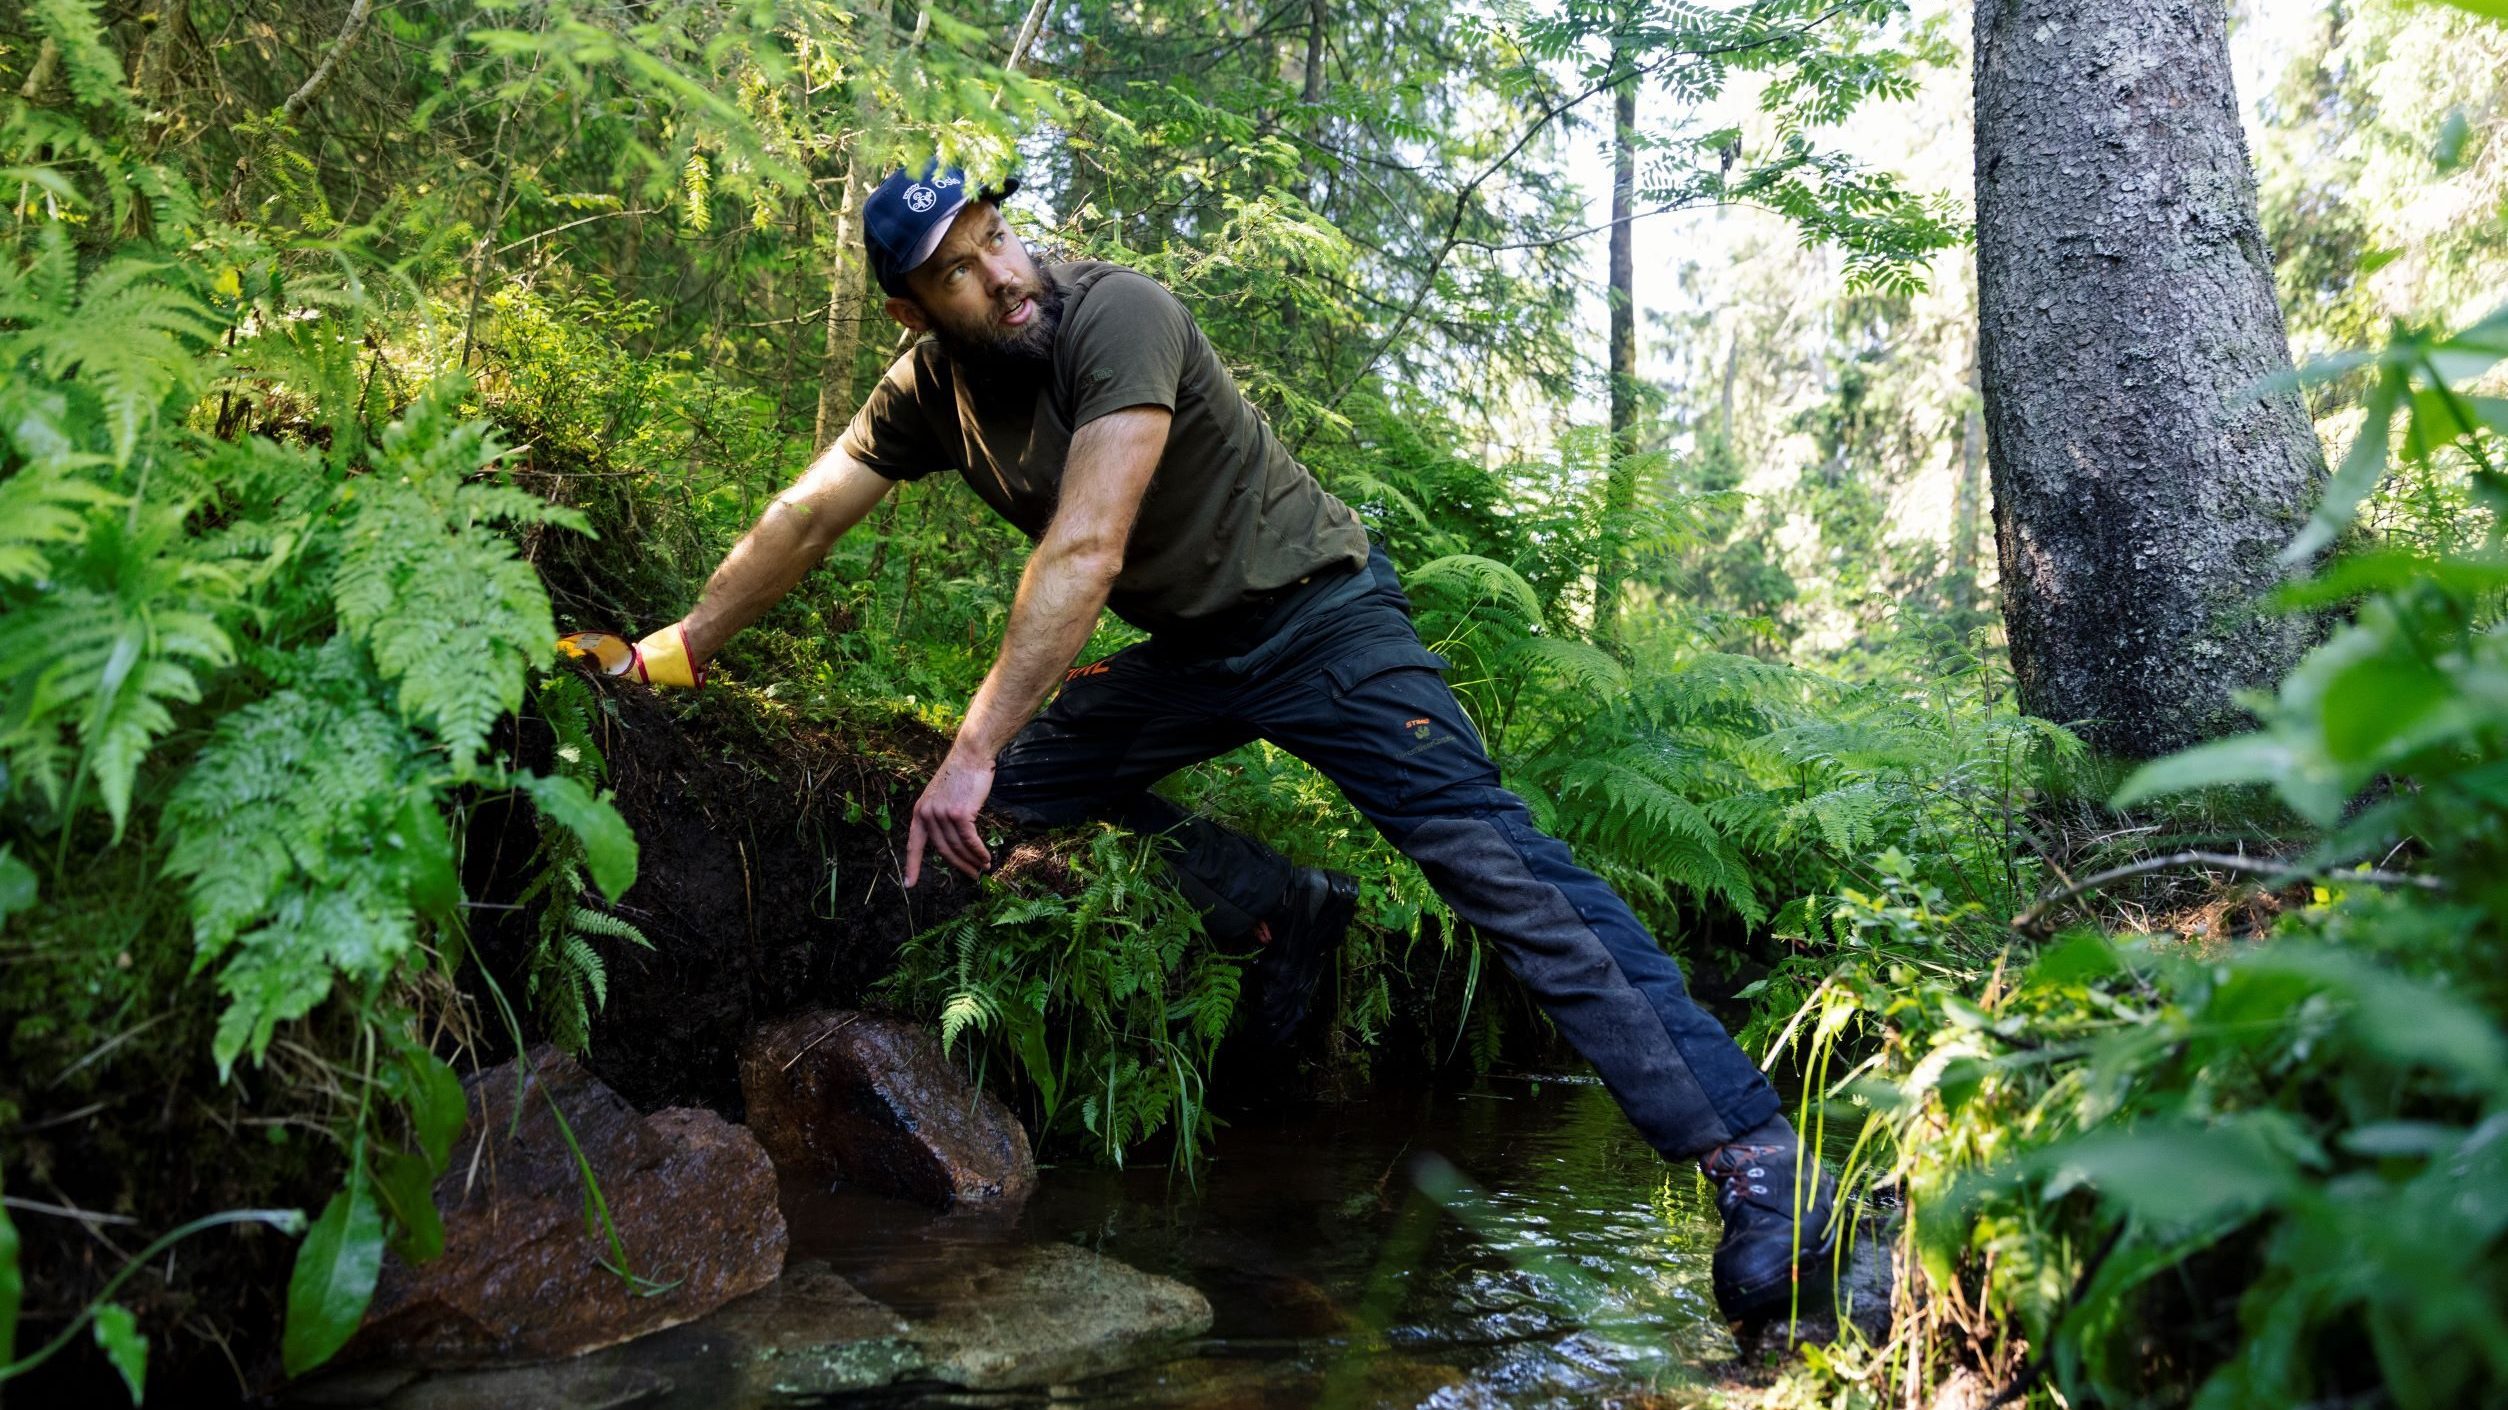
[
  {"x": 946, "y": 178},
  {"x": 920, "y": 198}
]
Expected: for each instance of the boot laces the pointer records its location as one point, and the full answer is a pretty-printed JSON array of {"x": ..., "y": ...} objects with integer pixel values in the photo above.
[{"x": 1743, "y": 1169}]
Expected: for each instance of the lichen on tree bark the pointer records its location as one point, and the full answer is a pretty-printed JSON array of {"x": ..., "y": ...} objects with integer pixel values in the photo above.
[{"x": 2126, "y": 315}]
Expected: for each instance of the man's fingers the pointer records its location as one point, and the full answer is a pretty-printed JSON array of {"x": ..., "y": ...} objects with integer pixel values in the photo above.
[
  {"x": 958, "y": 840},
  {"x": 972, "y": 837},
  {"x": 914, "y": 848}
]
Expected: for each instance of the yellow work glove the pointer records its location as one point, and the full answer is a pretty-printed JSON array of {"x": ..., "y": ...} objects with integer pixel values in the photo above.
[
  {"x": 660, "y": 659},
  {"x": 663, "y": 659}
]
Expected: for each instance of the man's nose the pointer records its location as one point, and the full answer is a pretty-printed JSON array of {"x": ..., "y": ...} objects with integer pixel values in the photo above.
[{"x": 1000, "y": 272}]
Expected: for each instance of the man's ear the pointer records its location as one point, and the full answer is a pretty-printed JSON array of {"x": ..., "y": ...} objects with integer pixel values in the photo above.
[{"x": 909, "y": 313}]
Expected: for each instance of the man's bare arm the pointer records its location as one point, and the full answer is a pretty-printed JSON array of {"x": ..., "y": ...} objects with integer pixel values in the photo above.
[
  {"x": 1061, "y": 593},
  {"x": 789, "y": 539}
]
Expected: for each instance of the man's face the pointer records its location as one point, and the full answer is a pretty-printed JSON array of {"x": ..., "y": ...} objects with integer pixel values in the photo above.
[{"x": 981, "y": 294}]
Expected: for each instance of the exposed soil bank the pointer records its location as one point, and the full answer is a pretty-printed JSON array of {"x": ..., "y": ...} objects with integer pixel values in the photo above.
[{"x": 766, "y": 882}]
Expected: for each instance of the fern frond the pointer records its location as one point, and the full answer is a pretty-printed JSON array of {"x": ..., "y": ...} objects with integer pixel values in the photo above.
[
  {"x": 1486, "y": 579},
  {"x": 452, "y": 615},
  {"x": 583, "y": 921},
  {"x": 87, "y": 61},
  {"x": 39, "y": 507},
  {"x": 966, "y": 1009},
  {"x": 123, "y": 633},
  {"x": 1586, "y": 668},
  {"x": 129, "y": 343}
]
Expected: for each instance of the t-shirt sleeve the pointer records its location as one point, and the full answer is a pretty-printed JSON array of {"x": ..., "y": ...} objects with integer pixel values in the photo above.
[
  {"x": 893, "y": 433},
  {"x": 1126, "y": 347}
]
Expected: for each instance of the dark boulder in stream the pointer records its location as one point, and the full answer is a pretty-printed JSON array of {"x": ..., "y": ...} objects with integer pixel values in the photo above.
[
  {"x": 692, "y": 1197},
  {"x": 875, "y": 1102}
]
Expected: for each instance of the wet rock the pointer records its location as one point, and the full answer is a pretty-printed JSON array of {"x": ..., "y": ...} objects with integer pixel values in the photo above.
[
  {"x": 813, "y": 1333},
  {"x": 692, "y": 1197},
  {"x": 873, "y": 1100},
  {"x": 561, "y": 1385},
  {"x": 1051, "y": 1313}
]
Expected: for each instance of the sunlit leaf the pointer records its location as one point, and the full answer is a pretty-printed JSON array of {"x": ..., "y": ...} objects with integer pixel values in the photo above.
[
  {"x": 609, "y": 844},
  {"x": 2245, "y": 758},
  {"x": 2177, "y": 1174}
]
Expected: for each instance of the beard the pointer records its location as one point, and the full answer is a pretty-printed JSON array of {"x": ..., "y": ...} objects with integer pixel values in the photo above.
[{"x": 987, "y": 346}]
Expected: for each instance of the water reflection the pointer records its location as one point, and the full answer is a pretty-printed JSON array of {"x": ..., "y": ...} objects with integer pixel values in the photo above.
[{"x": 1568, "y": 1268}]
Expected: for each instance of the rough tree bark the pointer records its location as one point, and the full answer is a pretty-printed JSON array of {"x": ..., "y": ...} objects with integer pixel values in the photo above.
[
  {"x": 2125, "y": 303},
  {"x": 1620, "y": 489}
]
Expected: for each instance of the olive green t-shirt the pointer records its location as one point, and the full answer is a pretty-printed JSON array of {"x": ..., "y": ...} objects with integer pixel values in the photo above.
[{"x": 1229, "y": 516}]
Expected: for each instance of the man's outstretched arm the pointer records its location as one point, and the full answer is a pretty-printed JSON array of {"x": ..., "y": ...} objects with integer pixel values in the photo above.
[
  {"x": 1063, "y": 589},
  {"x": 789, "y": 539}
]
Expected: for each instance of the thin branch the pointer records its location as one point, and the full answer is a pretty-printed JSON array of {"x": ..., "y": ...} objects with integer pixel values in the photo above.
[
  {"x": 1027, "y": 35},
  {"x": 559, "y": 229},
  {"x": 2032, "y": 919},
  {"x": 321, "y": 76},
  {"x": 1452, "y": 239},
  {"x": 86, "y": 1216}
]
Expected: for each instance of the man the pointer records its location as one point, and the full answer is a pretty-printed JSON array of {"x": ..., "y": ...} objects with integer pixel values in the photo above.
[{"x": 1083, "y": 404}]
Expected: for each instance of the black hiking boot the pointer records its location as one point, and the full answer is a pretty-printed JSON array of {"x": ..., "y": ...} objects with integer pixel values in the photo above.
[
  {"x": 1298, "y": 940},
  {"x": 1761, "y": 1260}
]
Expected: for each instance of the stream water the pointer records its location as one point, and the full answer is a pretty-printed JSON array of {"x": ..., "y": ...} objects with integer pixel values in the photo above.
[
  {"x": 1556, "y": 1260},
  {"x": 1510, "y": 1245}
]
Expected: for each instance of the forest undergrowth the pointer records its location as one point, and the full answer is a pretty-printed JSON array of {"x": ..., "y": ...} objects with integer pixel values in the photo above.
[{"x": 2191, "y": 1082}]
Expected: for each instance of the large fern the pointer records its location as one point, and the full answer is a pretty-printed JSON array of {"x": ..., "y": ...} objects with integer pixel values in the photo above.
[
  {"x": 123, "y": 340},
  {"x": 105, "y": 650},
  {"x": 296, "y": 831},
  {"x": 451, "y": 613}
]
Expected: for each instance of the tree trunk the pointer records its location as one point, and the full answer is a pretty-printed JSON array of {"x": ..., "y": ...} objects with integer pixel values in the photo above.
[
  {"x": 848, "y": 305},
  {"x": 2125, "y": 306},
  {"x": 1620, "y": 487}
]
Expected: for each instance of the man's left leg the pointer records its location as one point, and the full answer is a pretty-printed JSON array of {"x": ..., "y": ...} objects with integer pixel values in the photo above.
[{"x": 1367, "y": 706}]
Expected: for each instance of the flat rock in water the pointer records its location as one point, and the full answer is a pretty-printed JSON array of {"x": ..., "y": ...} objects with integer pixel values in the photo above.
[
  {"x": 813, "y": 1333},
  {"x": 874, "y": 1101},
  {"x": 520, "y": 1278},
  {"x": 1050, "y": 1313}
]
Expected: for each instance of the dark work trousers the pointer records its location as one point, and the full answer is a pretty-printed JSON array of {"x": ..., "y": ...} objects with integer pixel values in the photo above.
[{"x": 1339, "y": 679}]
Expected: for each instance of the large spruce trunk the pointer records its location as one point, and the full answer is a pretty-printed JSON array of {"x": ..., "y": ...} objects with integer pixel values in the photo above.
[{"x": 2125, "y": 301}]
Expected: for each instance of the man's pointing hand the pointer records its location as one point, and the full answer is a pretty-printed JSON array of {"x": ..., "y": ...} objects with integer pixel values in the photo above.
[{"x": 944, "y": 817}]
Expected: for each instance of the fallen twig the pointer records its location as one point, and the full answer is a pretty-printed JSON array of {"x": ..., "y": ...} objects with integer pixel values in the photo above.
[
  {"x": 833, "y": 1029},
  {"x": 2032, "y": 920}
]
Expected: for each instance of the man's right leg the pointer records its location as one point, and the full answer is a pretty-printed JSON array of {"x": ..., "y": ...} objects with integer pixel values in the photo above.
[{"x": 1117, "y": 726}]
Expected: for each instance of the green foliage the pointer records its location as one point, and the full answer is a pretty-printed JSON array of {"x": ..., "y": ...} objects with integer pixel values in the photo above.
[
  {"x": 117, "y": 1333},
  {"x": 563, "y": 971},
  {"x": 335, "y": 1274},
  {"x": 2261, "y": 1176},
  {"x": 269, "y": 661},
  {"x": 1106, "y": 1006},
  {"x": 276, "y": 827}
]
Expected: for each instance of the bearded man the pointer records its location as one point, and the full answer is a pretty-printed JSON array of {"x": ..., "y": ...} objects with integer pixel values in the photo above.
[{"x": 1082, "y": 403}]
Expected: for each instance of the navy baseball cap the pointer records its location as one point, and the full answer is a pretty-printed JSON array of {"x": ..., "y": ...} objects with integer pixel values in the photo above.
[{"x": 904, "y": 220}]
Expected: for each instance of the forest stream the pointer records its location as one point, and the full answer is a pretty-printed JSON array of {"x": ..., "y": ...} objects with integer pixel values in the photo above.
[{"x": 1576, "y": 1277}]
